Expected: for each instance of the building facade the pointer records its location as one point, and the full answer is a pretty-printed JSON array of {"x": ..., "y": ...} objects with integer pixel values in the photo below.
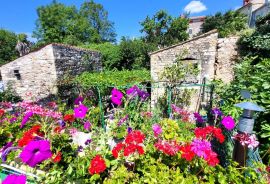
[
  {"x": 195, "y": 24},
  {"x": 215, "y": 58},
  {"x": 254, "y": 9},
  {"x": 35, "y": 75}
]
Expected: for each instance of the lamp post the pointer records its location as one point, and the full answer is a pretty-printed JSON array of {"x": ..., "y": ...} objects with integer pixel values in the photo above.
[{"x": 246, "y": 125}]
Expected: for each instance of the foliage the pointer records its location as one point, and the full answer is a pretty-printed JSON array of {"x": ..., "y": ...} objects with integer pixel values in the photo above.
[
  {"x": 8, "y": 41},
  {"x": 254, "y": 77},
  {"x": 65, "y": 24},
  {"x": 111, "y": 54},
  {"x": 113, "y": 78},
  {"x": 8, "y": 95},
  {"x": 97, "y": 17},
  {"x": 164, "y": 30},
  {"x": 257, "y": 43},
  {"x": 134, "y": 54},
  {"x": 229, "y": 23}
]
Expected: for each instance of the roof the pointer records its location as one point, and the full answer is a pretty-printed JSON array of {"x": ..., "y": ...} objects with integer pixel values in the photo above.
[
  {"x": 63, "y": 45},
  {"x": 54, "y": 44},
  {"x": 192, "y": 39},
  {"x": 198, "y": 17}
]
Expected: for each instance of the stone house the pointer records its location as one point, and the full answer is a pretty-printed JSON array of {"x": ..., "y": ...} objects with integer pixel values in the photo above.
[
  {"x": 255, "y": 9},
  {"x": 215, "y": 58},
  {"x": 195, "y": 25},
  {"x": 37, "y": 73}
]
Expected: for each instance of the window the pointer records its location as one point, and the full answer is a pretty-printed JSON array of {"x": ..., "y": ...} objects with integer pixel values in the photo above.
[
  {"x": 190, "y": 31},
  {"x": 17, "y": 74}
]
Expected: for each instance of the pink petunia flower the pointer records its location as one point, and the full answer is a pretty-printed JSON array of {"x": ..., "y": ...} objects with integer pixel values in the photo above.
[
  {"x": 36, "y": 152},
  {"x": 116, "y": 96},
  {"x": 80, "y": 112},
  {"x": 228, "y": 122},
  {"x": 13, "y": 178}
]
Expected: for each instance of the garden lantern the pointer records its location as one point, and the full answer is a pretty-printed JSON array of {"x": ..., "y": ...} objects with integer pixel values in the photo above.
[
  {"x": 246, "y": 122},
  {"x": 246, "y": 125}
]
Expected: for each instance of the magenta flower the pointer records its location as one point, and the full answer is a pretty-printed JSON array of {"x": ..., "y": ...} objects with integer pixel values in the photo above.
[
  {"x": 200, "y": 147},
  {"x": 228, "y": 122},
  {"x": 116, "y": 96},
  {"x": 36, "y": 152},
  {"x": 80, "y": 112},
  {"x": 133, "y": 91},
  {"x": 26, "y": 118},
  {"x": 87, "y": 125},
  {"x": 15, "y": 179},
  {"x": 157, "y": 129},
  {"x": 78, "y": 100}
]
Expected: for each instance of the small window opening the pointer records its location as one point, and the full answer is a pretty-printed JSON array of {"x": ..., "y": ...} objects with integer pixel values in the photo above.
[{"x": 17, "y": 74}]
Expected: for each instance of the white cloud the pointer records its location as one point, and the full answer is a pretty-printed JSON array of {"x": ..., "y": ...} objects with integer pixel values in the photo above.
[{"x": 195, "y": 7}]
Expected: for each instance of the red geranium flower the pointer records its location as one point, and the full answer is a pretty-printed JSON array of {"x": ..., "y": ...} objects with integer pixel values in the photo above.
[
  {"x": 69, "y": 118},
  {"x": 187, "y": 153},
  {"x": 116, "y": 149},
  {"x": 57, "y": 158},
  {"x": 57, "y": 129},
  {"x": 97, "y": 165},
  {"x": 209, "y": 131},
  {"x": 135, "y": 137},
  {"x": 2, "y": 112},
  {"x": 168, "y": 147}
]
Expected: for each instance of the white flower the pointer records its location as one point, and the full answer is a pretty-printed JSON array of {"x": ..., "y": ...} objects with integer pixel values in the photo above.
[{"x": 80, "y": 138}]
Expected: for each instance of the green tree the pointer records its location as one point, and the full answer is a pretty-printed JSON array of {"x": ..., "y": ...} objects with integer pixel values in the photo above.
[
  {"x": 164, "y": 30},
  {"x": 8, "y": 41},
  {"x": 258, "y": 42},
  {"x": 134, "y": 54},
  {"x": 227, "y": 24},
  {"x": 111, "y": 54},
  {"x": 65, "y": 24},
  {"x": 97, "y": 17}
]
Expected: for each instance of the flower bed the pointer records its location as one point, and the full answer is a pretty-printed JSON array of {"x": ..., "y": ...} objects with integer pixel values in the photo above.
[{"x": 137, "y": 146}]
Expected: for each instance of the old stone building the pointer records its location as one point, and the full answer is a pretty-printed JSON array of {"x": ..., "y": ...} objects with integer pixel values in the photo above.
[
  {"x": 215, "y": 58},
  {"x": 37, "y": 73}
]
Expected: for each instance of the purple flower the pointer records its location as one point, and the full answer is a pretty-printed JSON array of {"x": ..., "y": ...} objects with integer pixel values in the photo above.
[
  {"x": 217, "y": 112},
  {"x": 26, "y": 118},
  {"x": 80, "y": 149},
  {"x": 15, "y": 179},
  {"x": 13, "y": 119},
  {"x": 200, "y": 147},
  {"x": 6, "y": 152},
  {"x": 88, "y": 141},
  {"x": 133, "y": 91},
  {"x": 36, "y": 152},
  {"x": 129, "y": 129},
  {"x": 9, "y": 144},
  {"x": 144, "y": 95},
  {"x": 157, "y": 129},
  {"x": 80, "y": 112},
  {"x": 228, "y": 122},
  {"x": 116, "y": 97},
  {"x": 121, "y": 121},
  {"x": 61, "y": 123},
  {"x": 78, "y": 100},
  {"x": 198, "y": 117},
  {"x": 87, "y": 125}
]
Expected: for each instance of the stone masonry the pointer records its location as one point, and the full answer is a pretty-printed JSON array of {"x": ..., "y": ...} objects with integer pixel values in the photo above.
[
  {"x": 215, "y": 58},
  {"x": 35, "y": 75}
]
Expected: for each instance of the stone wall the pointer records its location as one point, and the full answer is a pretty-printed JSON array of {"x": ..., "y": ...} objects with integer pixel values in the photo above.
[
  {"x": 215, "y": 58},
  {"x": 37, "y": 74},
  {"x": 74, "y": 61},
  {"x": 202, "y": 49},
  {"x": 40, "y": 70},
  {"x": 227, "y": 54}
]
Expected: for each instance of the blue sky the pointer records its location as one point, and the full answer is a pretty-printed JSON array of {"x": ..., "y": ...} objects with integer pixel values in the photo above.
[{"x": 20, "y": 15}]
